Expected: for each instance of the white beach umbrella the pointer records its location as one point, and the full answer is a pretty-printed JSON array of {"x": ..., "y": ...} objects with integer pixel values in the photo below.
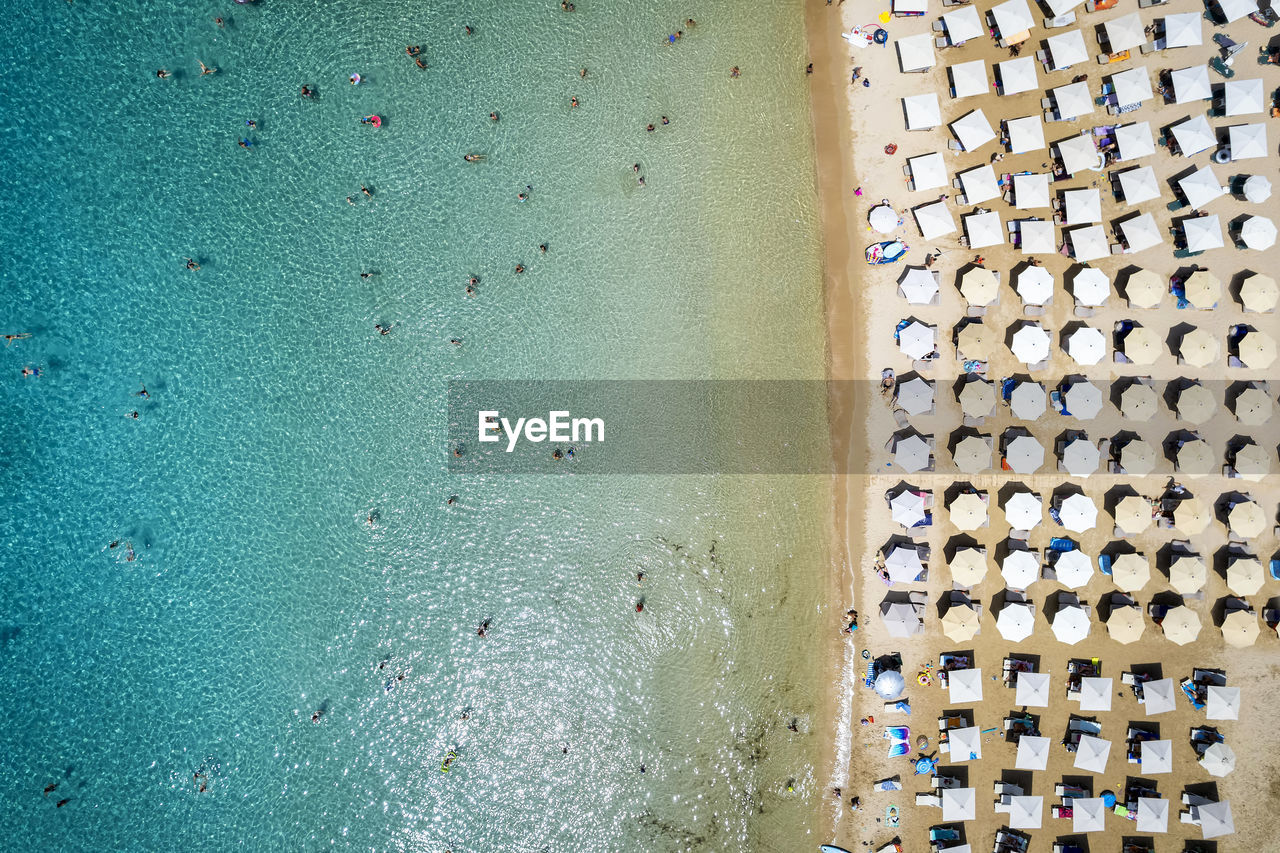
[
  {"x": 1253, "y": 407},
  {"x": 1095, "y": 694},
  {"x": 883, "y": 219},
  {"x": 1073, "y": 100},
  {"x": 959, "y": 804},
  {"x": 1234, "y": 10},
  {"x": 917, "y": 340},
  {"x": 968, "y": 511},
  {"x": 968, "y": 567},
  {"x": 1024, "y": 454},
  {"x": 911, "y": 453},
  {"x": 965, "y": 743},
  {"x": 1187, "y": 574},
  {"x": 1028, "y": 401},
  {"x": 1158, "y": 697},
  {"x": 1257, "y": 189},
  {"x": 1153, "y": 813},
  {"x": 1031, "y": 690},
  {"x": 1033, "y": 752},
  {"x": 1243, "y": 96},
  {"x": 1086, "y": 345},
  {"x": 1201, "y": 187},
  {"x": 1070, "y": 625},
  {"x": 963, "y": 24},
  {"x": 1215, "y": 818},
  {"x": 1134, "y": 141},
  {"x": 1130, "y": 572},
  {"x": 1222, "y": 703},
  {"x": 1141, "y": 345},
  {"x": 960, "y": 624},
  {"x": 1081, "y": 457},
  {"x": 1088, "y": 814},
  {"x": 1091, "y": 287},
  {"x": 1091, "y": 754},
  {"x": 1125, "y": 625},
  {"x": 979, "y": 184},
  {"x": 973, "y": 130},
  {"x": 915, "y": 396},
  {"x": 1139, "y": 185},
  {"x": 1023, "y": 511},
  {"x": 915, "y": 53},
  {"x": 969, "y": 79},
  {"x": 900, "y": 619},
  {"x": 1256, "y": 350},
  {"x": 964, "y": 686},
  {"x": 984, "y": 229},
  {"x": 1031, "y": 192},
  {"x": 1203, "y": 233},
  {"x": 1244, "y": 574},
  {"x": 1138, "y": 402},
  {"x": 1145, "y": 289},
  {"x": 1196, "y": 404},
  {"x": 1074, "y": 569},
  {"x": 1258, "y": 232},
  {"x": 1020, "y": 569},
  {"x": 1191, "y": 84},
  {"x": 1083, "y": 206},
  {"x": 1125, "y": 32},
  {"x": 1016, "y": 622},
  {"x": 977, "y": 397},
  {"x": 1025, "y": 134},
  {"x": 1088, "y": 243},
  {"x": 907, "y": 508},
  {"x": 1219, "y": 760},
  {"x": 1141, "y": 232},
  {"x": 1078, "y": 513},
  {"x": 1183, "y": 30},
  {"x": 904, "y": 564},
  {"x": 1132, "y": 86},
  {"x": 1191, "y": 516},
  {"x": 1062, "y": 7},
  {"x": 918, "y": 7},
  {"x": 972, "y": 455},
  {"x": 1037, "y": 236},
  {"x": 889, "y": 684},
  {"x": 1030, "y": 344},
  {"x": 1240, "y": 628},
  {"x": 976, "y": 341},
  {"x": 1199, "y": 348},
  {"x": 934, "y": 220},
  {"x": 922, "y": 111},
  {"x": 1025, "y": 812},
  {"x": 1194, "y": 135},
  {"x": 1067, "y": 49},
  {"x": 1018, "y": 75},
  {"x": 1181, "y": 625},
  {"x": 1034, "y": 285},
  {"x": 1083, "y": 400},
  {"x": 1133, "y": 512},
  {"x": 1013, "y": 18},
  {"x": 918, "y": 285},
  {"x": 928, "y": 171}
]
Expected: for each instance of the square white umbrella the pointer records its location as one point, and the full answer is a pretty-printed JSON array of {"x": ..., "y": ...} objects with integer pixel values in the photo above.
[
  {"x": 1018, "y": 75},
  {"x": 1134, "y": 141},
  {"x": 1037, "y": 236},
  {"x": 1156, "y": 756},
  {"x": 984, "y": 229},
  {"x": 1234, "y": 10},
  {"x": 1033, "y": 753},
  {"x": 979, "y": 184},
  {"x": 1025, "y": 134},
  {"x": 1243, "y": 96},
  {"x": 1183, "y": 30},
  {"x": 969, "y": 78},
  {"x": 1190, "y": 84},
  {"x": 922, "y": 111},
  {"x": 959, "y": 804},
  {"x": 1032, "y": 690},
  {"x": 1157, "y": 696},
  {"x": 1153, "y": 815},
  {"x": 1222, "y": 703},
  {"x": 1092, "y": 753},
  {"x": 919, "y": 287},
  {"x": 1203, "y": 233},
  {"x": 1201, "y": 187},
  {"x": 1083, "y": 206},
  {"x": 910, "y": 6},
  {"x": 963, "y": 24},
  {"x": 1141, "y": 232},
  {"x": 1139, "y": 185},
  {"x": 1073, "y": 100},
  {"x": 966, "y": 744},
  {"x": 1078, "y": 153},
  {"x": 1025, "y": 812},
  {"x": 1030, "y": 192},
  {"x": 1062, "y": 7},
  {"x": 1132, "y": 86},
  {"x": 934, "y": 220},
  {"x": 928, "y": 171},
  {"x": 915, "y": 53},
  {"x": 1194, "y": 135},
  {"x": 1013, "y": 18},
  {"x": 1125, "y": 32},
  {"x": 1088, "y": 814},
  {"x": 1215, "y": 820},
  {"x": 1067, "y": 49},
  {"x": 965, "y": 686},
  {"x": 1088, "y": 243},
  {"x": 1095, "y": 694},
  {"x": 1247, "y": 141},
  {"x": 973, "y": 130}
]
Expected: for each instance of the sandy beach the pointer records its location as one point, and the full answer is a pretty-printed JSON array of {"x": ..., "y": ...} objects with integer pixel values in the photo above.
[{"x": 853, "y": 126}]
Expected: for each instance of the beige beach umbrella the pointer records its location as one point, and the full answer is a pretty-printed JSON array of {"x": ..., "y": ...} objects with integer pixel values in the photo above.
[
  {"x": 1253, "y": 406},
  {"x": 1240, "y": 628},
  {"x": 1187, "y": 574},
  {"x": 1028, "y": 401},
  {"x": 1196, "y": 404},
  {"x": 972, "y": 454},
  {"x": 1078, "y": 513},
  {"x": 1137, "y": 458},
  {"x": 1141, "y": 345},
  {"x": 1030, "y": 344},
  {"x": 1139, "y": 402},
  {"x": 1023, "y": 511},
  {"x": 1181, "y": 625},
  {"x": 976, "y": 341},
  {"x": 1199, "y": 348},
  {"x": 1145, "y": 289},
  {"x": 977, "y": 398},
  {"x": 1196, "y": 458},
  {"x": 1081, "y": 457},
  {"x": 1219, "y": 760},
  {"x": 960, "y": 624},
  {"x": 1083, "y": 400},
  {"x": 969, "y": 566},
  {"x": 978, "y": 286},
  {"x": 1133, "y": 514},
  {"x": 1203, "y": 289},
  {"x": 968, "y": 511},
  {"x": 1258, "y": 293},
  {"x": 1244, "y": 576},
  {"x": 1125, "y": 624},
  {"x": 1087, "y": 345},
  {"x": 1248, "y": 520},
  {"x": 1070, "y": 624},
  {"x": 1024, "y": 454},
  {"x": 1130, "y": 572},
  {"x": 1192, "y": 516},
  {"x": 1016, "y": 622},
  {"x": 1252, "y": 461},
  {"x": 1035, "y": 285},
  {"x": 1257, "y": 350}
]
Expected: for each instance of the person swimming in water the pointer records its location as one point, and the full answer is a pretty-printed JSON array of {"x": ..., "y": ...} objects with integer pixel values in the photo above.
[
  {"x": 524, "y": 196},
  {"x": 483, "y": 630},
  {"x": 451, "y": 500},
  {"x": 245, "y": 143},
  {"x": 417, "y": 60},
  {"x": 519, "y": 268},
  {"x": 192, "y": 265},
  {"x": 20, "y": 336},
  {"x": 162, "y": 73},
  {"x": 31, "y": 371},
  {"x": 308, "y": 92},
  {"x": 143, "y": 393},
  {"x": 412, "y": 50},
  {"x": 204, "y": 69},
  {"x": 542, "y": 247},
  {"x": 473, "y": 158},
  {"x": 382, "y": 329},
  {"x": 493, "y": 116},
  {"x": 368, "y": 193}
]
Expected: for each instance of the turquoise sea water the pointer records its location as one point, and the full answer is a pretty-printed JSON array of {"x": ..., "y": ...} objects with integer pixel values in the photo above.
[{"x": 279, "y": 421}]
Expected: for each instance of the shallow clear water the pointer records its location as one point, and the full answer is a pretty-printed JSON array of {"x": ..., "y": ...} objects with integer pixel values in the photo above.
[{"x": 279, "y": 421}]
